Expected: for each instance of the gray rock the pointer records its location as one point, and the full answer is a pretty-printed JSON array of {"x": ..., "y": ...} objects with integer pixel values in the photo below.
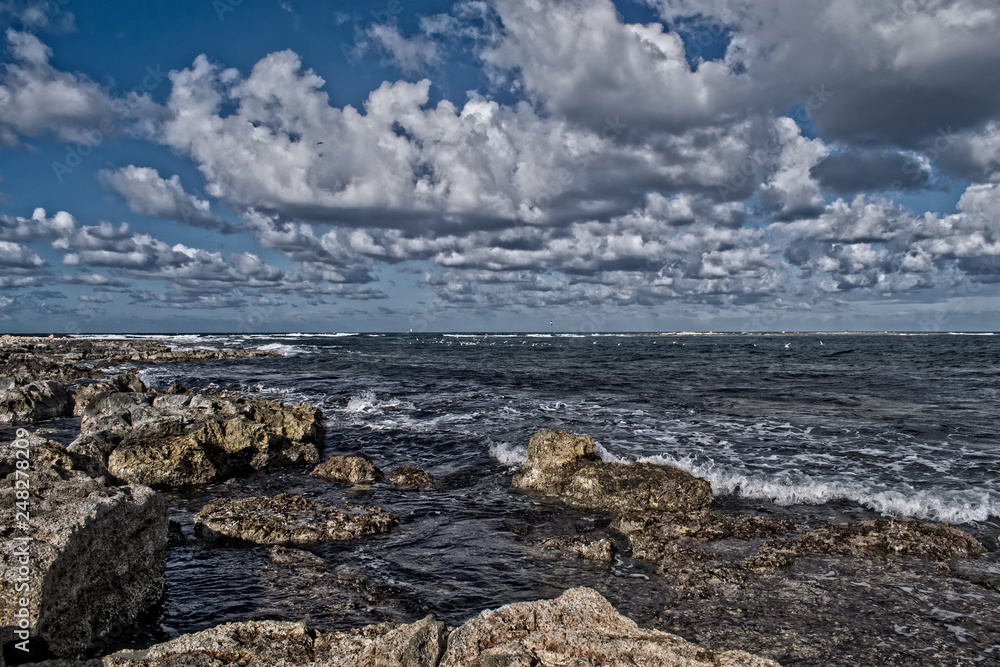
[
  {"x": 578, "y": 628},
  {"x": 347, "y": 470},
  {"x": 566, "y": 467},
  {"x": 187, "y": 439},
  {"x": 288, "y": 520},
  {"x": 97, "y": 557},
  {"x": 24, "y": 401},
  {"x": 126, "y": 382},
  {"x": 411, "y": 477},
  {"x": 600, "y": 550}
]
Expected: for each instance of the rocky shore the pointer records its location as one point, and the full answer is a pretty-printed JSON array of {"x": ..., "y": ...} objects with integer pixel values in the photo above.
[{"x": 748, "y": 589}]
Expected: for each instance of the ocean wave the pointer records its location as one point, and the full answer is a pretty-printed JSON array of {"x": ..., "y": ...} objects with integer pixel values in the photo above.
[
  {"x": 509, "y": 454},
  {"x": 367, "y": 403},
  {"x": 903, "y": 502},
  {"x": 283, "y": 349}
]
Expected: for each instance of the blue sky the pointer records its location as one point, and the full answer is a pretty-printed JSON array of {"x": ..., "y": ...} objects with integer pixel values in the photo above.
[{"x": 494, "y": 165}]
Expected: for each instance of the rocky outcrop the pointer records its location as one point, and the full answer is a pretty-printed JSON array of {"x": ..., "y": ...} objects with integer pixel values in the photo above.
[
  {"x": 96, "y": 557},
  {"x": 186, "y": 439},
  {"x": 23, "y": 400},
  {"x": 578, "y": 628},
  {"x": 411, "y": 477},
  {"x": 126, "y": 382},
  {"x": 347, "y": 470},
  {"x": 64, "y": 358},
  {"x": 882, "y": 538},
  {"x": 289, "y": 520},
  {"x": 566, "y": 467},
  {"x": 601, "y": 550}
]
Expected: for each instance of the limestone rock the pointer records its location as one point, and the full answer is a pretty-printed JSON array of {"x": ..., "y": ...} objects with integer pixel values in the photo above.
[
  {"x": 411, "y": 477},
  {"x": 600, "y": 550},
  {"x": 347, "y": 470},
  {"x": 289, "y": 520},
  {"x": 578, "y": 628},
  {"x": 184, "y": 439},
  {"x": 882, "y": 538},
  {"x": 24, "y": 401},
  {"x": 97, "y": 557},
  {"x": 126, "y": 382},
  {"x": 565, "y": 466}
]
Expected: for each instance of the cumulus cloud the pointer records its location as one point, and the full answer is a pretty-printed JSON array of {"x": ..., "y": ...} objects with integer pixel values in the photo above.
[
  {"x": 412, "y": 55},
  {"x": 148, "y": 194}
]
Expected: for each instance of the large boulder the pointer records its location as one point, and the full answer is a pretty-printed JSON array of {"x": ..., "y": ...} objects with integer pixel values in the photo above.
[
  {"x": 96, "y": 560},
  {"x": 578, "y": 628},
  {"x": 347, "y": 470},
  {"x": 566, "y": 467},
  {"x": 125, "y": 382},
  {"x": 23, "y": 400},
  {"x": 186, "y": 439},
  {"x": 288, "y": 519}
]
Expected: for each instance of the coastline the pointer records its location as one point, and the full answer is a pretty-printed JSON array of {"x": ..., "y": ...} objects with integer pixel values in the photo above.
[{"x": 710, "y": 561}]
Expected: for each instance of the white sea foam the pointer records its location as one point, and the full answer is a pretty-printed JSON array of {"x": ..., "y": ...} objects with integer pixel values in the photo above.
[
  {"x": 509, "y": 454},
  {"x": 367, "y": 403},
  {"x": 283, "y": 349}
]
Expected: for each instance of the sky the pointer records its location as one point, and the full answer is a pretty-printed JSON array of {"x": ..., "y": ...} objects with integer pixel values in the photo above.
[{"x": 262, "y": 166}]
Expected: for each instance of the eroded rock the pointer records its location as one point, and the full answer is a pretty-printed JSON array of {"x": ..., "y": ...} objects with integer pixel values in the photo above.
[
  {"x": 97, "y": 557},
  {"x": 566, "y": 467},
  {"x": 601, "y": 550},
  {"x": 347, "y": 470},
  {"x": 411, "y": 477},
  {"x": 288, "y": 520},
  {"x": 23, "y": 400}
]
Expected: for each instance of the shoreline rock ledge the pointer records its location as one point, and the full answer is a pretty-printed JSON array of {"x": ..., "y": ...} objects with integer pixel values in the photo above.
[{"x": 580, "y": 628}]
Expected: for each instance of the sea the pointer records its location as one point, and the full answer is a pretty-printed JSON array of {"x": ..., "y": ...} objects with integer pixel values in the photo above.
[{"x": 818, "y": 428}]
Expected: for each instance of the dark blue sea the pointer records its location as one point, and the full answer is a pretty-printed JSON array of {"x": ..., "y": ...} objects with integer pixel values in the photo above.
[{"x": 817, "y": 428}]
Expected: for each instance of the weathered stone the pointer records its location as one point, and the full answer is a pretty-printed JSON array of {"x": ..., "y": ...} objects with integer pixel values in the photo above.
[
  {"x": 187, "y": 439},
  {"x": 411, "y": 477},
  {"x": 41, "y": 452},
  {"x": 882, "y": 538},
  {"x": 578, "y": 628},
  {"x": 96, "y": 558},
  {"x": 23, "y": 401},
  {"x": 566, "y": 467},
  {"x": 347, "y": 470},
  {"x": 599, "y": 550},
  {"x": 126, "y": 382},
  {"x": 288, "y": 519}
]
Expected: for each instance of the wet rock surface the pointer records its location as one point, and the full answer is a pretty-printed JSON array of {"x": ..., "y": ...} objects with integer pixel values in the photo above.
[
  {"x": 566, "y": 467},
  {"x": 24, "y": 400},
  {"x": 347, "y": 470},
  {"x": 96, "y": 556},
  {"x": 411, "y": 477},
  {"x": 186, "y": 439},
  {"x": 66, "y": 359},
  {"x": 288, "y": 520},
  {"x": 599, "y": 550}
]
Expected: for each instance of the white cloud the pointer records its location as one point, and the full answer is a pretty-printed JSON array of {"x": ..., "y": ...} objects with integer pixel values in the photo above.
[{"x": 148, "y": 194}]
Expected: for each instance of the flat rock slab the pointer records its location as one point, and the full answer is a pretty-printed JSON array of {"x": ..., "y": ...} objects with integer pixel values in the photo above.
[{"x": 288, "y": 520}]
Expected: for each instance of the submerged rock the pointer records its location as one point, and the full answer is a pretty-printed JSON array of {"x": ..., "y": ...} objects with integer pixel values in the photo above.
[
  {"x": 882, "y": 538},
  {"x": 347, "y": 470},
  {"x": 97, "y": 557},
  {"x": 185, "y": 439},
  {"x": 411, "y": 477},
  {"x": 23, "y": 400},
  {"x": 566, "y": 467},
  {"x": 600, "y": 550},
  {"x": 288, "y": 520},
  {"x": 578, "y": 628}
]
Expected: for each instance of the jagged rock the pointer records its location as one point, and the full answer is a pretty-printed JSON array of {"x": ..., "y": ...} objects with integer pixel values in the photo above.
[
  {"x": 176, "y": 388},
  {"x": 23, "y": 401},
  {"x": 881, "y": 538},
  {"x": 278, "y": 644},
  {"x": 96, "y": 558},
  {"x": 287, "y": 519},
  {"x": 347, "y": 470},
  {"x": 600, "y": 550},
  {"x": 126, "y": 382},
  {"x": 43, "y": 452},
  {"x": 187, "y": 439},
  {"x": 565, "y": 466},
  {"x": 578, "y": 628},
  {"x": 411, "y": 477},
  {"x": 649, "y": 533}
]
